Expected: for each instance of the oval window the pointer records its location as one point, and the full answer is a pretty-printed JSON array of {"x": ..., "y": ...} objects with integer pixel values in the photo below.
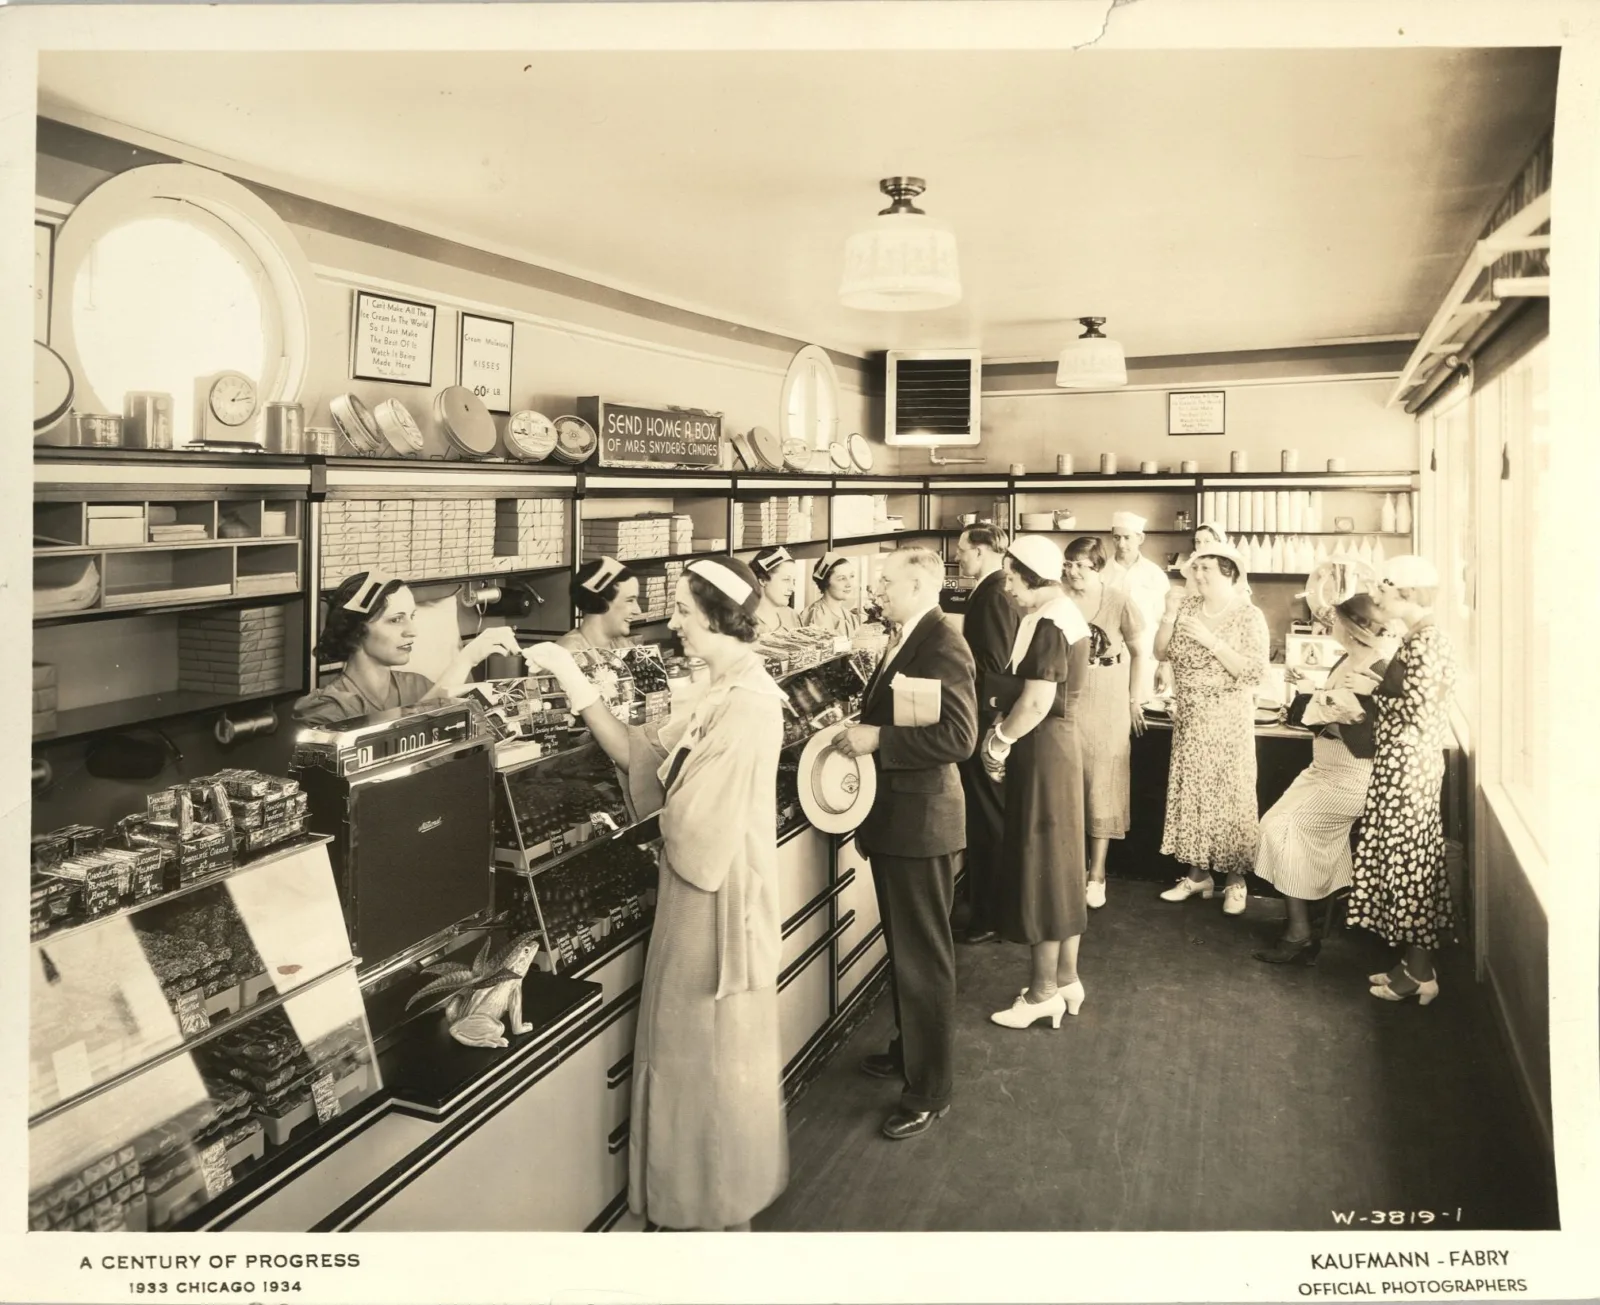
[{"x": 162, "y": 301}]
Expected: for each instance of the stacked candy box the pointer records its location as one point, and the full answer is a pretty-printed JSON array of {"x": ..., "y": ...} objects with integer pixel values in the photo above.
[{"x": 106, "y": 1195}]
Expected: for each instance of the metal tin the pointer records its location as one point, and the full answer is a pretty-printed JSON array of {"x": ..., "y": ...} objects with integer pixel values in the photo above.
[
  {"x": 96, "y": 430},
  {"x": 796, "y": 453},
  {"x": 322, "y": 440},
  {"x": 1237, "y": 461},
  {"x": 466, "y": 422},
  {"x": 147, "y": 419},
  {"x": 1189, "y": 466},
  {"x": 1148, "y": 468},
  {"x": 860, "y": 453},
  {"x": 53, "y": 388},
  {"x": 1335, "y": 464},
  {"x": 768, "y": 448},
  {"x": 398, "y": 427},
  {"x": 1108, "y": 464},
  {"x": 575, "y": 440},
  {"x": 283, "y": 428},
  {"x": 1019, "y": 469},
  {"x": 839, "y": 456},
  {"x": 1063, "y": 464},
  {"x": 356, "y": 423},
  {"x": 530, "y": 435},
  {"x": 1291, "y": 459}
]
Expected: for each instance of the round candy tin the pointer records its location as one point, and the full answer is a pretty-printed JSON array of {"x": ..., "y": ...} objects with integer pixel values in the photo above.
[
  {"x": 398, "y": 427},
  {"x": 356, "y": 423},
  {"x": 575, "y": 440},
  {"x": 466, "y": 422},
  {"x": 530, "y": 435}
]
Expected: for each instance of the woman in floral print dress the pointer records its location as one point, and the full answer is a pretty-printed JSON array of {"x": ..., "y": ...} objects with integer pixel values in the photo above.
[
  {"x": 1400, "y": 890},
  {"x": 1216, "y": 640}
]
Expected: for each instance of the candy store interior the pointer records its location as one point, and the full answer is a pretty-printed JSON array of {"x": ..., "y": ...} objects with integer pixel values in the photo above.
[{"x": 295, "y": 973}]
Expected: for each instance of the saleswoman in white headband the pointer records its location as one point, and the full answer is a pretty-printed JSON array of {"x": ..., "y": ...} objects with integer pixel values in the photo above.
[
  {"x": 835, "y": 608},
  {"x": 606, "y": 592},
  {"x": 708, "y": 1147},
  {"x": 775, "y": 572},
  {"x": 371, "y": 628}
]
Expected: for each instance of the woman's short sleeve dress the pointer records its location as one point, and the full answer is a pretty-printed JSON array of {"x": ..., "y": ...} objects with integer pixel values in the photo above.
[
  {"x": 1211, "y": 817},
  {"x": 1042, "y": 864},
  {"x": 1400, "y": 890}
]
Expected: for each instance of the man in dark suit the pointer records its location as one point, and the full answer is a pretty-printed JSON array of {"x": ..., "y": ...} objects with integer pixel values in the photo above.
[
  {"x": 916, "y": 826},
  {"x": 989, "y": 625}
]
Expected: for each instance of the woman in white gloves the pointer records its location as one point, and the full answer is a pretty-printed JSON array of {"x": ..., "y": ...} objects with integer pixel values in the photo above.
[
  {"x": 371, "y": 628},
  {"x": 1305, "y": 839},
  {"x": 708, "y": 1147}
]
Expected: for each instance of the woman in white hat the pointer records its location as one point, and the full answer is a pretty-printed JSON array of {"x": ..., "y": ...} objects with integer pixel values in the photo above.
[
  {"x": 1217, "y": 643},
  {"x": 1305, "y": 838},
  {"x": 1035, "y": 747},
  {"x": 835, "y": 608},
  {"x": 708, "y": 1147},
  {"x": 1400, "y": 890},
  {"x": 1109, "y": 713},
  {"x": 606, "y": 594},
  {"x": 775, "y": 572}
]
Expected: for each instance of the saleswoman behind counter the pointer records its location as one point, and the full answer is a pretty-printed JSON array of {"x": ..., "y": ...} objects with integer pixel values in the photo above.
[
  {"x": 606, "y": 592},
  {"x": 371, "y": 628}
]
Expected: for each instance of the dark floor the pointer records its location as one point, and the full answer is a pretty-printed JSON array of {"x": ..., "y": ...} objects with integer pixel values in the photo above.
[{"x": 1197, "y": 1089}]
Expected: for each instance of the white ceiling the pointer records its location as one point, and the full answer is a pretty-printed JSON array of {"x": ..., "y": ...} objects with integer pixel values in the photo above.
[{"x": 1199, "y": 200}]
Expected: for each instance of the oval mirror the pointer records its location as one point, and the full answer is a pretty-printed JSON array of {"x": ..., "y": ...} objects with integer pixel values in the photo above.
[{"x": 810, "y": 401}]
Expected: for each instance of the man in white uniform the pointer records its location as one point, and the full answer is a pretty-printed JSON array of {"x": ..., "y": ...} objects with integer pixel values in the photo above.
[{"x": 1147, "y": 585}]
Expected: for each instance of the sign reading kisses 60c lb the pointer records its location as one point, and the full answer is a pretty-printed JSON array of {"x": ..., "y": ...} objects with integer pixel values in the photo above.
[{"x": 631, "y": 436}]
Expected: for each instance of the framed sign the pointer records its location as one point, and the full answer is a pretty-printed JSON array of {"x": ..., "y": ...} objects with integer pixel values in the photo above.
[
  {"x": 483, "y": 359},
  {"x": 631, "y": 436},
  {"x": 44, "y": 266},
  {"x": 1196, "y": 412},
  {"x": 391, "y": 339}
]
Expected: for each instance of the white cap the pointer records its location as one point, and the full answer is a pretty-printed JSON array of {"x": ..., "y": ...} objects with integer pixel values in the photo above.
[
  {"x": 1127, "y": 521},
  {"x": 1039, "y": 555},
  {"x": 1408, "y": 571}
]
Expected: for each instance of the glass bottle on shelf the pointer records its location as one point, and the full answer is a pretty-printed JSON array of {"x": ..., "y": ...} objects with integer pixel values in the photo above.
[
  {"x": 1402, "y": 514},
  {"x": 1387, "y": 525}
]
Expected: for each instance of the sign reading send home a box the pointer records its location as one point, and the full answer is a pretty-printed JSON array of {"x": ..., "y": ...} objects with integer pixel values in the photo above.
[{"x": 631, "y": 436}]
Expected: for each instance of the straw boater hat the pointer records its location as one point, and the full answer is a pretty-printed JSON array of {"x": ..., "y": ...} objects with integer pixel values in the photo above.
[{"x": 836, "y": 791}]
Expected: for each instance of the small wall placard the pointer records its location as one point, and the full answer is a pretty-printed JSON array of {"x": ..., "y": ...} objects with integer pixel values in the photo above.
[
  {"x": 483, "y": 355},
  {"x": 392, "y": 339},
  {"x": 631, "y": 436},
  {"x": 1196, "y": 412}
]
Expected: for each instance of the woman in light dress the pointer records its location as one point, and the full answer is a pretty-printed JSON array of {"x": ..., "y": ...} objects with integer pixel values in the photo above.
[
  {"x": 835, "y": 608},
  {"x": 776, "y": 573},
  {"x": 708, "y": 1146},
  {"x": 1107, "y": 714},
  {"x": 1217, "y": 642},
  {"x": 1305, "y": 839}
]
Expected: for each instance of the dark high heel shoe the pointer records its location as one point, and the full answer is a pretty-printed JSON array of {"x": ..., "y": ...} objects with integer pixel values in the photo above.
[{"x": 1291, "y": 953}]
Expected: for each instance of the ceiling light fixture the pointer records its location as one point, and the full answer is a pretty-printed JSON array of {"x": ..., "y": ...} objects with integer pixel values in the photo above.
[
  {"x": 904, "y": 261},
  {"x": 1091, "y": 362}
]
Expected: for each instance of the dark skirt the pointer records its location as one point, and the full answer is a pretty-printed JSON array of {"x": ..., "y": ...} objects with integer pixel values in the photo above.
[{"x": 1043, "y": 870}]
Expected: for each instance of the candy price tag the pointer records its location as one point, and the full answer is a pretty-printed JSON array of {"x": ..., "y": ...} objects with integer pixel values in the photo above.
[
  {"x": 558, "y": 842},
  {"x": 192, "y": 1017},
  {"x": 324, "y": 1097},
  {"x": 215, "y": 1169},
  {"x": 616, "y": 917}
]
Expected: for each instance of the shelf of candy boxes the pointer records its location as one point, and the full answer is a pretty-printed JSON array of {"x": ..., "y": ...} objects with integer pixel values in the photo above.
[
  {"x": 262, "y": 1086},
  {"x": 824, "y": 695},
  {"x": 531, "y": 718},
  {"x": 185, "y": 835},
  {"x": 543, "y": 812},
  {"x": 589, "y": 903}
]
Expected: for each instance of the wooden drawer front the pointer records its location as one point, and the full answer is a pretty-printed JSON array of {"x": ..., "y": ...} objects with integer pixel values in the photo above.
[
  {"x": 539, "y": 1165},
  {"x": 803, "y": 1006},
  {"x": 617, "y": 1082},
  {"x": 857, "y": 895},
  {"x": 860, "y": 969},
  {"x": 804, "y": 936},
  {"x": 621, "y": 972},
  {"x": 802, "y": 872}
]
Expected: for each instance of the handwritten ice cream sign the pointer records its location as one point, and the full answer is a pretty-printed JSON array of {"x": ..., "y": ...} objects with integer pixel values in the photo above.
[{"x": 653, "y": 437}]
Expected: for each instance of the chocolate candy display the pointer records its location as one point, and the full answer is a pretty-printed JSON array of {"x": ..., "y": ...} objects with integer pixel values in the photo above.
[
  {"x": 586, "y": 901},
  {"x": 543, "y": 811}
]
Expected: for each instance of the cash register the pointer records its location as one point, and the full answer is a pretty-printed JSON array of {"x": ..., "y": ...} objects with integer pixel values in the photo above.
[{"x": 408, "y": 799}]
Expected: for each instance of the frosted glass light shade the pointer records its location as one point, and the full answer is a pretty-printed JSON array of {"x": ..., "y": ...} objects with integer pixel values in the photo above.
[
  {"x": 1091, "y": 364},
  {"x": 902, "y": 262}
]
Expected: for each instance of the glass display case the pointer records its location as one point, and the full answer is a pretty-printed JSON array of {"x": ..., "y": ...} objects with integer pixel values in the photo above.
[{"x": 185, "y": 1038}]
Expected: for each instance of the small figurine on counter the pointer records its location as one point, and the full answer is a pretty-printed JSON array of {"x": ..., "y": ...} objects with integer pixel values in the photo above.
[{"x": 488, "y": 997}]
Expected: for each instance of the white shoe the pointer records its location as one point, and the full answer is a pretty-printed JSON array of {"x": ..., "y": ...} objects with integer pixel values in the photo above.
[
  {"x": 1073, "y": 994},
  {"x": 1186, "y": 888},
  {"x": 1233, "y": 899},
  {"x": 1096, "y": 894},
  {"x": 1024, "y": 1014}
]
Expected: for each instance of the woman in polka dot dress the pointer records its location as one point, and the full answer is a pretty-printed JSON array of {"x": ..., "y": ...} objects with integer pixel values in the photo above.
[{"x": 1400, "y": 890}]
